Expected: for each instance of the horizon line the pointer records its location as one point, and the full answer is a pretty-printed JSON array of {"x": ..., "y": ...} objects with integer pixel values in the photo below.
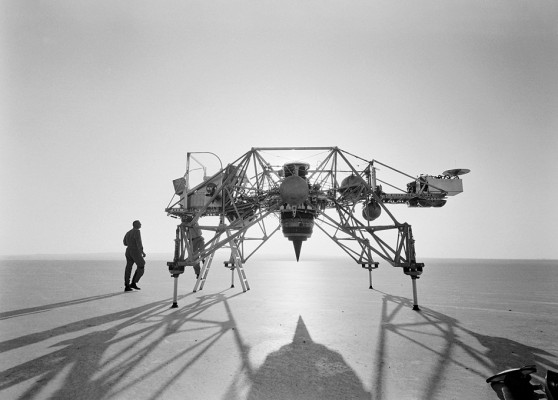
[{"x": 279, "y": 256}]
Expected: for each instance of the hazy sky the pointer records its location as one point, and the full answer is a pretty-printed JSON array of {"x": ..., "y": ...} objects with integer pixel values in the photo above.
[{"x": 101, "y": 100}]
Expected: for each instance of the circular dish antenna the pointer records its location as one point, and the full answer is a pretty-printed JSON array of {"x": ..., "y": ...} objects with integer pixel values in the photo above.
[{"x": 456, "y": 172}]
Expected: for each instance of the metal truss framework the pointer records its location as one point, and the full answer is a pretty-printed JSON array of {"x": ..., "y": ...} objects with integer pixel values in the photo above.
[{"x": 245, "y": 202}]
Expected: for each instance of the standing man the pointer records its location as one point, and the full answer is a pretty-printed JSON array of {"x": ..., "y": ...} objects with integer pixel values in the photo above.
[{"x": 134, "y": 254}]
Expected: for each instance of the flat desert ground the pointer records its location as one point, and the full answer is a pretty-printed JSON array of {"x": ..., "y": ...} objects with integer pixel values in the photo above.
[{"x": 306, "y": 330}]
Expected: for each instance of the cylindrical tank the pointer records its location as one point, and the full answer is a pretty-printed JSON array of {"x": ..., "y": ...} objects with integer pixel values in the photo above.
[
  {"x": 296, "y": 168},
  {"x": 431, "y": 203},
  {"x": 371, "y": 211},
  {"x": 294, "y": 190},
  {"x": 437, "y": 203},
  {"x": 413, "y": 202}
]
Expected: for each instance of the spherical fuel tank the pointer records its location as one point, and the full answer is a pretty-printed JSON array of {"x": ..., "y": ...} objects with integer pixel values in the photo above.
[
  {"x": 371, "y": 211},
  {"x": 294, "y": 190},
  {"x": 351, "y": 181},
  {"x": 351, "y": 187}
]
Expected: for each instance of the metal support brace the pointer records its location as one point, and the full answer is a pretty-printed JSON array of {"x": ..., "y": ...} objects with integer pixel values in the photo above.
[
  {"x": 204, "y": 271},
  {"x": 242, "y": 277},
  {"x": 205, "y": 265},
  {"x": 241, "y": 274},
  {"x": 236, "y": 261}
]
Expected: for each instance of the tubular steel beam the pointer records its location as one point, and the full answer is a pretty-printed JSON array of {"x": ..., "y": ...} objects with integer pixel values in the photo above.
[{"x": 246, "y": 192}]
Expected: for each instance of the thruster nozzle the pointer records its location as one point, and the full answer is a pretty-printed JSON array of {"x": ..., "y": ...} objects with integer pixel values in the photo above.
[{"x": 297, "y": 244}]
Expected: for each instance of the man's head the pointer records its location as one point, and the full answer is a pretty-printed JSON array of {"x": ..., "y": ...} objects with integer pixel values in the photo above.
[{"x": 136, "y": 224}]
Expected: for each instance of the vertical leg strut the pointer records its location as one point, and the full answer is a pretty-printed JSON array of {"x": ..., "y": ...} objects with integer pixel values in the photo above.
[
  {"x": 370, "y": 267},
  {"x": 175, "y": 296},
  {"x": 415, "y": 301}
]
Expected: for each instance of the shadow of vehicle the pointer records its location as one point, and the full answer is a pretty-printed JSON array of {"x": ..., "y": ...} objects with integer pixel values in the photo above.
[{"x": 305, "y": 369}]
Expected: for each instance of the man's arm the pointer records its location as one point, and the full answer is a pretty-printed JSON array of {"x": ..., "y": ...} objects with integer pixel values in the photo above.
[{"x": 138, "y": 242}]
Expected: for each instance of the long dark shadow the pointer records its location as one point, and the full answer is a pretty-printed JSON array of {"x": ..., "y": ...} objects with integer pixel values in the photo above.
[
  {"x": 498, "y": 354},
  {"x": 88, "y": 355},
  {"x": 76, "y": 326},
  {"x": 48, "y": 307}
]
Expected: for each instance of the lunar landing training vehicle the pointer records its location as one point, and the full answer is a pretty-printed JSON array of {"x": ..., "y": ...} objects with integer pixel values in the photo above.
[{"x": 299, "y": 190}]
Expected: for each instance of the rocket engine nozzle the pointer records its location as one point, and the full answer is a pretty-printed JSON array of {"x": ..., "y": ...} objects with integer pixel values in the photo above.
[
  {"x": 297, "y": 228},
  {"x": 294, "y": 190}
]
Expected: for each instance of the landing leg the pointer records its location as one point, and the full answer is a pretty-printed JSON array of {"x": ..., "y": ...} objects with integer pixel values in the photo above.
[
  {"x": 175, "y": 296},
  {"x": 415, "y": 301},
  {"x": 230, "y": 265},
  {"x": 370, "y": 267}
]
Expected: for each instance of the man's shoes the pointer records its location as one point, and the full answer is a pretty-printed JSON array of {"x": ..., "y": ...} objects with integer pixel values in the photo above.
[
  {"x": 134, "y": 286},
  {"x": 127, "y": 289}
]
